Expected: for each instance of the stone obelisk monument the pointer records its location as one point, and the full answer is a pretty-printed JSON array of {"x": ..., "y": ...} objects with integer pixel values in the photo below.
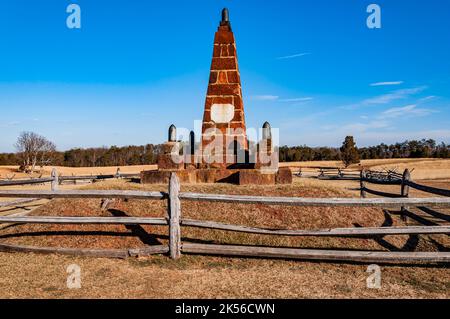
[
  {"x": 224, "y": 155},
  {"x": 224, "y": 120}
]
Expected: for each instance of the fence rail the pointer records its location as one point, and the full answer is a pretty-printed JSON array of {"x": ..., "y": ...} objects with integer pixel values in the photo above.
[
  {"x": 73, "y": 178},
  {"x": 98, "y": 253},
  {"x": 83, "y": 194},
  {"x": 287, "y": 201},
  {"x": 17, "y": 202},
  {"x": 26, "y": 182},
  {"x": 382, "y": 182},
  {"x": 315, "y": 254},
  {"x": 314, "y": 202},
  {"x": 85, "y": 220},
  {"x": 428, "y": 189},
  {"x": 176, "y": 222},
  {"x": 382, "y": 194},
  {"x": 336, "y": 232},
  {"x": 404, "y": 181}
]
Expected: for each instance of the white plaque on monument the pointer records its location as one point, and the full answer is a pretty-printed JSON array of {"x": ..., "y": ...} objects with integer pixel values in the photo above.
[{"x": 222, "y": 113}]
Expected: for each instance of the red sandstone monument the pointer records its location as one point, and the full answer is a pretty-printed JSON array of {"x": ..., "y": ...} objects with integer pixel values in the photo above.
[
  {"x": 224, "y": 153},
  {"x": 224, "y": 108}
]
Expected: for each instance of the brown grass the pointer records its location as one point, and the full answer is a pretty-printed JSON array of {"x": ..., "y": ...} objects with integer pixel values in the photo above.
[
  {"x": 46, "y": 170},
  {"x": 211, "y": 277},
  {"x": 421, "y": 168},
  {"x": 257, "y": 215},
  {"x": 38, "y": 276}
]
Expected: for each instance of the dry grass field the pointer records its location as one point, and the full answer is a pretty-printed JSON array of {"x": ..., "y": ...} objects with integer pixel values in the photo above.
[
  {"x": 421, "y": 168},
  {"x": 46, "y": 170},
  {"x": 44, "y": 276}
]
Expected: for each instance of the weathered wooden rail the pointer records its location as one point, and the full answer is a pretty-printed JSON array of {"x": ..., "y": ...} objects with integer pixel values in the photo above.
[
  {"x": 330, "y": 232},
  {"x": 176, "y": 222},
  {"x": 314, "y": 254},
  {"x": 428, "y": 189},
  {"x": 17, "y": 202},
  {"x": 337, "y": 173},
  {"x": 59, "y": 178},
  {"x": 84, "y": 220},
  {"x": 404, "y": 181},
  {"x": 289, "y": 201},
  {"x": 314, "y": 202},
  {"x": 26, "y": 182},
  {"x": 82, "y": 194}
]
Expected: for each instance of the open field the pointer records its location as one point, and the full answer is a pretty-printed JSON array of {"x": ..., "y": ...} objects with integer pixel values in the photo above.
[
  {"x": 40, "y": 276},
  {"x": 212, "y": 277},
  {"x": 421, "y": 168},
  {"x": 46, "y": 170}
]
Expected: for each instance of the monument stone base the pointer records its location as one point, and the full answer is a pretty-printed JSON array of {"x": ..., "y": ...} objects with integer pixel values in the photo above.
[{"x": 211, "y": 176}]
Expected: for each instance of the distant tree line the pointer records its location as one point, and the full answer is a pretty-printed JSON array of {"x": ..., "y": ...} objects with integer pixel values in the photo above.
[
  {"x": 94, "y": 157},
  {"x": 408, "y": 149},
  {"x": 43, "y": 152}
]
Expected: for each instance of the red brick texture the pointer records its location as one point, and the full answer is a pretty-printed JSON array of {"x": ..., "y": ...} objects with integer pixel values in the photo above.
[
  {"x": 219, "y": 175},
  {"x": 224, "y": 88}
]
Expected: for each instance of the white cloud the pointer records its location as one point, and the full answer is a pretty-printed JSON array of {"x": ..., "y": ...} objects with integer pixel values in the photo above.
[
  {"x": 10, "y": 124},
  {"x": 269, "y": 97},
  {"x": 264, "y": 97},
  {"x": 406, "y": 111},
  {"x": 363, "y": 127},
  {"x": 293, "y": 56},
  {"x": 300, "y": 99},
  {"x": 387, "y": 83},
  {"x": 386, "y": 98},
  {"x": 395, "y": 95},
  {"x": 427, "y": 98}
]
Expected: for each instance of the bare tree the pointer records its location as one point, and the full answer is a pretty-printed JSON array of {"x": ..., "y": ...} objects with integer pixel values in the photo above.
[{"x": 34, "y": 149}]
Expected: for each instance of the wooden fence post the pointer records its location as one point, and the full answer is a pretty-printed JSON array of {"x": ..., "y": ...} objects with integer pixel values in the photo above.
[
  {"x": 405, "y": 191},
  {"x": 174, "y": 208},
  {"x": 55, "y": 181},
  {"x": 363, "y": 183},
  {"x": 405, "y": 187}
]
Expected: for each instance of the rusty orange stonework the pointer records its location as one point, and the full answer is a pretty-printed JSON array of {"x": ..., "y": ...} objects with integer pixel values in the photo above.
[
  {"x": 224, "y": 128},
  {"x": 224, "y": 96}
]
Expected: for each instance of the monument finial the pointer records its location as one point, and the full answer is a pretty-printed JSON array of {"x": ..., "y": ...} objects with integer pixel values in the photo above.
[
  {"x": 225, "y": 19},
  {"x": 267, "y": 131},
  {"x": 172, "y": 133},
  {"x": 225, "y": 15}
]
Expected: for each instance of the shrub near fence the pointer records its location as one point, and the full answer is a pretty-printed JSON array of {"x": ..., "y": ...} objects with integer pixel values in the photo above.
[{"x": 176, "y": 223}]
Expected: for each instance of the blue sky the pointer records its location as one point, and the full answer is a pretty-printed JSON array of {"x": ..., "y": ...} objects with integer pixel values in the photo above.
[{"x": 311, "y": 68}]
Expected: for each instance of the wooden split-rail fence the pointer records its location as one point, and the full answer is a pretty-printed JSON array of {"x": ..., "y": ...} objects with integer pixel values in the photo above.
[
  {"x": 326, "y": 173},
  {"x": 176, "y": 222},
  {"x": 403, "y": 180},
  {"x": 59, "y": 179}
]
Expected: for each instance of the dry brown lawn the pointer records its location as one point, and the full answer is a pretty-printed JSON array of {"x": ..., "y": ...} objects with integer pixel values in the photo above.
[
  {"x": 421, "y": 168},
  {"x": 67, "y": 171},
  {"x": 38, "y": 276}
]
